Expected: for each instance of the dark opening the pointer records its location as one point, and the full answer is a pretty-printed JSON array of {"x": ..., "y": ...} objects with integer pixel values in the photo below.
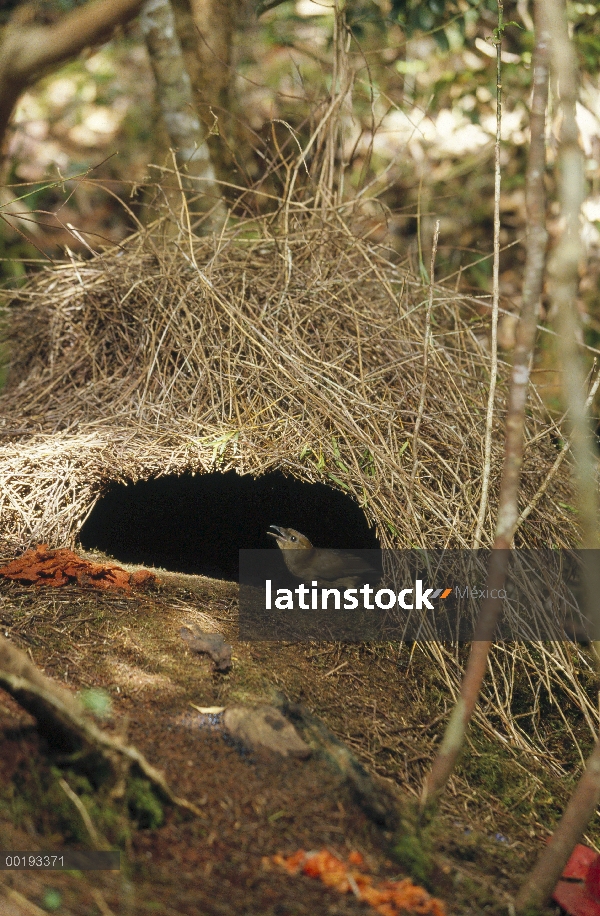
[{"x": 197, "y": 524}]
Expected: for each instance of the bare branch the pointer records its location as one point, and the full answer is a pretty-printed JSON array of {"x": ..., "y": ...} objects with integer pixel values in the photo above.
[
  {"x": 40, "y": 47},
  {"x": 28, "y": 51},
  {"x": 506, "y": 523},
  {"x": 489, "y": 420}
]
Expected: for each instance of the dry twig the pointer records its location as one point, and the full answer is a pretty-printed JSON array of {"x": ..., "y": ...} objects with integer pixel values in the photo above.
[
  {"x": 489, "y": 420},
  {"x": 426, "y": 343},
  {"x": 491, "y": 609}
]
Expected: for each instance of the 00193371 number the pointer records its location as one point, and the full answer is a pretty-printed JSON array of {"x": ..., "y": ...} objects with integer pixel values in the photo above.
[{"x": 48, "y": 861}]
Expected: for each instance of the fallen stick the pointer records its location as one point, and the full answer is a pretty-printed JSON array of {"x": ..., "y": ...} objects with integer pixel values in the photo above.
[{"x": 62, "y": 721}]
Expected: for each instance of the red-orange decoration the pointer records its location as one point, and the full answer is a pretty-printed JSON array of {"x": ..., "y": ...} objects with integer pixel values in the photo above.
[
  {"x": 578, "y": 891},
  {"x": 389, "y": 898},
  {"x": 42, "y": 566}
]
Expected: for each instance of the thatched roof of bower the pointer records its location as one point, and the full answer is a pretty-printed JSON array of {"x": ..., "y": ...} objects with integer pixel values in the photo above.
[{"x": 301, "y": 353}]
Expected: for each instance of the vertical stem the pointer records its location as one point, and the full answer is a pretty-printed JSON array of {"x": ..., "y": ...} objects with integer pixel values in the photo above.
[
  {"x": 537, "y": 238},
  {"x": 564, "y": 275},
  {"x": 174, "y": 92},
  {"x": 421, "y": 408},
  {"x": 491, "y": 609},
  {"x": 489, "y": 422}
]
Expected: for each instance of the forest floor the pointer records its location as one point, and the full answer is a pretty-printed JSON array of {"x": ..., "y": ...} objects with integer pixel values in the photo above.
[{"x": 380, "y": 700}]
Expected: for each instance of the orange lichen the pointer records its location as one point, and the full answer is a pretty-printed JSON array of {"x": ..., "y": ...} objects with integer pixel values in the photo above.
[
  {"x": 42, "y": 566},
  {"x": 388, "y": 898}
]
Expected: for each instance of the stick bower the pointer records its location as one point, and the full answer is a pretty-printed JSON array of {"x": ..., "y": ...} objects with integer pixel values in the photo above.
[{"x": 301, "y": 353}]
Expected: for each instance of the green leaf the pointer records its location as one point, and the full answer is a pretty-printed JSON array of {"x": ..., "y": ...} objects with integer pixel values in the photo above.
[
  {"x": 51, "y": 900},
  {"x": 339, "y": 482},
  {"x": 441, "y": 40},
  {"x": 97, "y": 701},
  {"x": 411, "y": 66}
]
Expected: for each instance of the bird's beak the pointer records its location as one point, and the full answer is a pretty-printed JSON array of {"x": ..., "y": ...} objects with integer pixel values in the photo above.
[{"x": 276, "y": 533}]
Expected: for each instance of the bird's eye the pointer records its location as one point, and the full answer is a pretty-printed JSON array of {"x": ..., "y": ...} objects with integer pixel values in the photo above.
[{"x": 293, "y": 539}]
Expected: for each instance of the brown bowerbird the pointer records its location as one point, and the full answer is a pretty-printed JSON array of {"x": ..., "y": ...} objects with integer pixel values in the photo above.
[{"x": 326, "y": 566}]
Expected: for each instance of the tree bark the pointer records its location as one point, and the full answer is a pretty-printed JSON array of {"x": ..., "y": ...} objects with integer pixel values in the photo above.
[
  {"x": 206, "y": 29},
  {"x": 174, "y": 94},
  {"x": 28, "y": 51}
]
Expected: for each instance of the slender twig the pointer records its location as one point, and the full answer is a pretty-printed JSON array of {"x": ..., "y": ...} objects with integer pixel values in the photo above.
[
  {"x": 489, "y": 420},
  {"x": 454, "y": 736},
  {"x": 537, "y": 238},
  {"x": 95, "y": 837},
  {"x": 421, "y": 409}
]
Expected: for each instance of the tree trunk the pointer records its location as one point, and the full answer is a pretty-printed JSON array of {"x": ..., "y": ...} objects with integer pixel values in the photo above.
[
  {"x": 174, "y": 94},
  {"x": 206, "y": 29}
]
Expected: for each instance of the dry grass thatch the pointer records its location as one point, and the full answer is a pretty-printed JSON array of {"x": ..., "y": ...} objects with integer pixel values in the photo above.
[
  {"x": 286, "y": 343},
  {"x": 303, "y": 353},
  {"x": 298, "y": 349}
]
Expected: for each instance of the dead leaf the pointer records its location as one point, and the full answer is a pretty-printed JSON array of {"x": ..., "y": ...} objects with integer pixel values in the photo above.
[{"x": 43, "y": 566}]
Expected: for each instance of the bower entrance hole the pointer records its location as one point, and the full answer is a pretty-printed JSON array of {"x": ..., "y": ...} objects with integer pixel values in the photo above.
[{"x": 198, "y": 523}]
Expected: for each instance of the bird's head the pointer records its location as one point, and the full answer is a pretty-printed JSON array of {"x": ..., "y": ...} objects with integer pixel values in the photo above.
[{"x": 289, "y": 538}]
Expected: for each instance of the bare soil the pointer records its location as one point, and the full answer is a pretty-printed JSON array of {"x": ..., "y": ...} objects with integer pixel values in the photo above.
[{"x": 384, "y": 702}]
